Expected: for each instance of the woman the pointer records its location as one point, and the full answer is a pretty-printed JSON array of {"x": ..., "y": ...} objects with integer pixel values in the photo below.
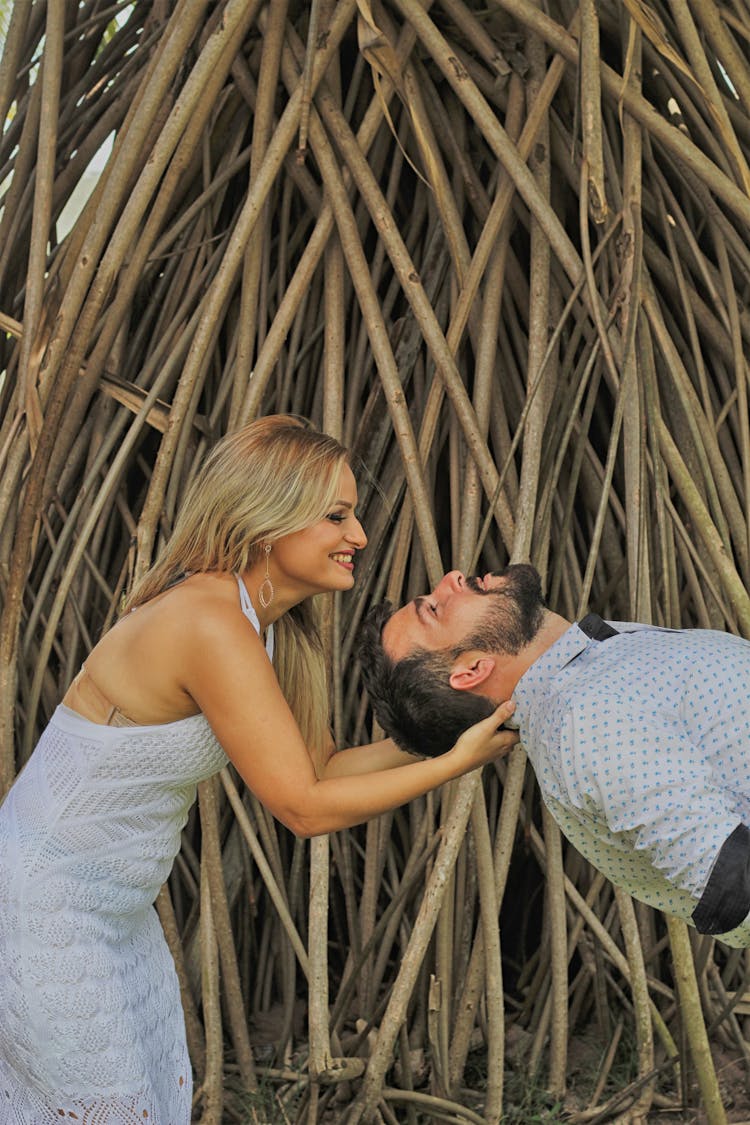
[{"x": 218, "y": 657}]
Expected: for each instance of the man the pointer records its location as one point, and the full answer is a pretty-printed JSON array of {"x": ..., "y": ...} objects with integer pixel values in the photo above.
[{"x": 639, "y": 736}]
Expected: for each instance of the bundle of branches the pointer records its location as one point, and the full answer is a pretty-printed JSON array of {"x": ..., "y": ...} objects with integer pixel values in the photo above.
[{"x": 501, "y": 252}]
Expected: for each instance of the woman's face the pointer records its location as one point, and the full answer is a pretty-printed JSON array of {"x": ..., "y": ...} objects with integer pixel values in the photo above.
[{"x": 321, "y": 557}]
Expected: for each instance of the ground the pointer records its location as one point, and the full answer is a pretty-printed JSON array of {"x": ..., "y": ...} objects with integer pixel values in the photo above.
[
  {"x": 732, "y": 1071},
  {"x": 527, "y": 1103}
]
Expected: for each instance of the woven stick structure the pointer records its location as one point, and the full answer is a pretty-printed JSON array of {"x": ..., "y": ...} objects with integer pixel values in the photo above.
[{"x": 500, "y": 249}]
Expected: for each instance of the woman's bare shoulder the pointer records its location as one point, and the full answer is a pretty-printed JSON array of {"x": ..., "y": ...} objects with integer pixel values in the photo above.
[
  {"x": 145, "y": 662},
  {"x": 187, "y": 607}
]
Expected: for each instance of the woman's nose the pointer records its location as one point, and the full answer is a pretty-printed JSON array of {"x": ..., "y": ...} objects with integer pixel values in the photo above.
[{"x": 356, "y": 536}]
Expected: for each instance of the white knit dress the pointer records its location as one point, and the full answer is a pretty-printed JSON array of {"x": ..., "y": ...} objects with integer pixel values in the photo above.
[{"x": 91, "y": 1025}]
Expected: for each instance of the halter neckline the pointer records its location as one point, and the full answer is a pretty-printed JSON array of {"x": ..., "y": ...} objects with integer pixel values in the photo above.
[{"x": 249, "y": 611}]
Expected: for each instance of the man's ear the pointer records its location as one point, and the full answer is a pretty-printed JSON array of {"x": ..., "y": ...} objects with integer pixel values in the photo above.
[{"x": 471, "y": 670}]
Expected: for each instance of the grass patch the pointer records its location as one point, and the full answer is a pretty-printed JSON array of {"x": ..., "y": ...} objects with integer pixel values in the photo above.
[{"x": 263, "y": 1107}]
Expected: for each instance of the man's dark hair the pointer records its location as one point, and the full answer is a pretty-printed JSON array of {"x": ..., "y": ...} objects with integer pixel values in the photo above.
[{"x": 412, "y": 698}]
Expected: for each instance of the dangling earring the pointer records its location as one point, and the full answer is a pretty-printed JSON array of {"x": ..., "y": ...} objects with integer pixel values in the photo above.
[{"x": 265, "y": 591}]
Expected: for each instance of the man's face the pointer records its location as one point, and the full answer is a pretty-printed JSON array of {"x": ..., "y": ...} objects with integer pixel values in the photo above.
[{"x": 497, "y": 613}]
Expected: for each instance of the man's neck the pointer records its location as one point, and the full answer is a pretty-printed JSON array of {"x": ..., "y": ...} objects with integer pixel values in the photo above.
[
  {"x": 553, "y": 627},
  {"x": 509, "y": 669}
]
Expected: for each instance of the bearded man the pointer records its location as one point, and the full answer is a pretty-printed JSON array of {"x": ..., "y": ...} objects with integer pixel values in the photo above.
[{"x": 639, "y": 736}]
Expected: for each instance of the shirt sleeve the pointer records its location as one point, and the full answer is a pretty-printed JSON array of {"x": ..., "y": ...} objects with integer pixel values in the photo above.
[
  {"x": 637, "y": 770},
  {"x": 725, "y": 902}
]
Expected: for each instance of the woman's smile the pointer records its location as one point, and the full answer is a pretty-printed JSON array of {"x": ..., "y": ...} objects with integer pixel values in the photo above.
[{"x": 344, "y": 559}]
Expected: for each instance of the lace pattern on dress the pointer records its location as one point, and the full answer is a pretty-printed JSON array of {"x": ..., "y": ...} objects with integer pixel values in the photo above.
[{"x": 19, "y": 1107}]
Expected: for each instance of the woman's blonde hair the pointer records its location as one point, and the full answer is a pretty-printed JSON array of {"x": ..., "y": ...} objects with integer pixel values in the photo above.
[{"x": 275, "y": 476}]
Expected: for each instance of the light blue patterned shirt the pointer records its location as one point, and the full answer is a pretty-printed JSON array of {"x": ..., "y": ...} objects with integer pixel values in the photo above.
[{"x": 641, "y": 747}]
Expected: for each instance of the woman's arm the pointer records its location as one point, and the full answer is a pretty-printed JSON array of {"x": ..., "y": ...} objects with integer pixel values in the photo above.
[
  {"x": 225, "y": 669},
  {"x": 383, "y": 755},
  {"x": 341, "y": 802}
]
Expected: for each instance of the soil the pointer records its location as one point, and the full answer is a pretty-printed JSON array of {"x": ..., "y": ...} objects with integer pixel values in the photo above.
[{"x": 732, "y": 1070}]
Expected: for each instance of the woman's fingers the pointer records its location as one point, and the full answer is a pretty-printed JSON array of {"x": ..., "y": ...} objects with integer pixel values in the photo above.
[
  {"x": 500, "y": 715},
  {"x": 487, "y": 739},
  {"x": 504, "y": 741},
  {"x": 503, "y": 712}
]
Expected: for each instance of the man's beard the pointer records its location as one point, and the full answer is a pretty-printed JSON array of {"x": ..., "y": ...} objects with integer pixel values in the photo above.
[{"x": 515, "y": 612}]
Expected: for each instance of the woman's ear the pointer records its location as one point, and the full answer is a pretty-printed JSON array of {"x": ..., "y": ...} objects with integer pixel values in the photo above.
[{"x": 471, "y": 670}]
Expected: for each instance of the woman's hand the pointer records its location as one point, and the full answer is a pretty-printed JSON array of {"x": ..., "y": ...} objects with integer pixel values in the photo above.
[{"x": 484, "y": 741}]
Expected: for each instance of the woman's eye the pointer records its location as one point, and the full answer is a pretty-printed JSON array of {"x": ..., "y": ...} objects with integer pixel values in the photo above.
[{"x": 336, "y": 517}]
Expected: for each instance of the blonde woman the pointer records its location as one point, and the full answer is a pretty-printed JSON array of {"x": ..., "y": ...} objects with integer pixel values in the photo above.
[{"x": 218, "y": 657}]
